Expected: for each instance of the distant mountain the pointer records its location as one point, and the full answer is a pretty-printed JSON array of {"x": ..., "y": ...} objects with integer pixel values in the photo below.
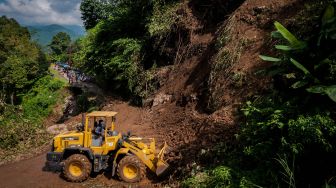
[
  {"x": 44, "y": 33},
  {"x": 79, "y": 30}
]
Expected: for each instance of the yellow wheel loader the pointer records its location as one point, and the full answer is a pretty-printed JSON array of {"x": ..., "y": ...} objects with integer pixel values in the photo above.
[{"x": 88, "y": 150}]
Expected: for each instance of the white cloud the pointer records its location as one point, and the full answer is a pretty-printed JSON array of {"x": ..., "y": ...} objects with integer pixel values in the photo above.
[{"x": 31, "y": 12}]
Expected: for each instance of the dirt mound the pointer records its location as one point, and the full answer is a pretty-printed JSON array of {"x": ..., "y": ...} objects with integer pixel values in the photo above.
[{"x": 209, "y": 84}]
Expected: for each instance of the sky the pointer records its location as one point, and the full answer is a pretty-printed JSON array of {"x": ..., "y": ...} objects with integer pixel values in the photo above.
[{"x": 42, "y": 12}]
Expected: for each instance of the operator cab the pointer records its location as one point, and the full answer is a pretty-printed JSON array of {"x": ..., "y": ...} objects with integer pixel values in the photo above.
[{"x": 101, "y": 126}]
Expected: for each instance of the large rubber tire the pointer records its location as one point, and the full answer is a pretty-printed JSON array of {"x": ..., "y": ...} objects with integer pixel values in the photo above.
[
  {"x": 77, "y": 168},
  {"x": 131, "y": 169}
]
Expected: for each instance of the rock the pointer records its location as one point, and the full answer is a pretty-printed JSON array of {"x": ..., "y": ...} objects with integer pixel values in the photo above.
[
  {"x": 57, "y": 129},
  {"x": 161, "y": 98},
  {"x": 148, "y": 102}
]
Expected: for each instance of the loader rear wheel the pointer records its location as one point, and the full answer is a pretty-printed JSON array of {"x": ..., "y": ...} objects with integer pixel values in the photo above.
[
  {"x": 77, "y": 168},
  {"x": 131, "y": 169}
]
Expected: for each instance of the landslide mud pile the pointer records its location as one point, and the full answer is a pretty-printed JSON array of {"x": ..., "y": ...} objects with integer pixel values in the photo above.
[
  {"x": 196, "y": 108},
  {"x": 215, "y": 73}
]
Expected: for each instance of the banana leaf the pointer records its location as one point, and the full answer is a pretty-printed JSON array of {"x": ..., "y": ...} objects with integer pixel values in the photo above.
[
  {"x": 328, "y": 14},
  {"x": 268, "y": 58},
  {"x": 329, "y": 90},
  {"x": 316, "y": 89},
  {"x": 299, "y": 84},
  {"x": 299, "y": 66},
  {"x": 293, "y": 41},
  {"x": 276, "y": 35},
  {"x": 284, "y": 47}
]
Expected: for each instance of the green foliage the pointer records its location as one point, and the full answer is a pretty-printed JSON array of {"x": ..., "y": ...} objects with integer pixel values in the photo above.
[
  {"x": 316, "y": 57},
  {"x": 328, "y": 90},
  {"x": 130, "y": 15},
  {"x": 38, "y": 102},
  {"x": 21, "y": 126},
  {"x": 294, "y": 43},
  {"x": 113, "y": 53},
  {"x": 21, "y": 61},
  {"x": 328, "y": 25},
  {"x": 164, "y": 16},
  {"x": 217, "y": 177},
  {"x": 283, "y": 128},
  {"x": 92, "y": 12},
  {"x": 117, "y": 50},
  {"x": 197, "y": 181},
  {"x": 288, "y": 171},
  {"x": 292, "y": 125},
  {"x": 59, "y": 46},
  {"x": 272, "y": 59},
  {"x": 311, "y": 130},
  {"x": 220, "y": 176},
  {"x": 290, "y": 132}
]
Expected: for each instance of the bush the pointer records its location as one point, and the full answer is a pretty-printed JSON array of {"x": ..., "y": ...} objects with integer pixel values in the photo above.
[
  {"x": 307, "y": 132},
  {"x": 295, "y": 125},
  {"x": 276, "y": 128},
  {"x": 164, "y": 16},
  {"x": 220, "y": 176},
  {"x": 21, "y": 126},
  {"x": 38, "y": 102}
]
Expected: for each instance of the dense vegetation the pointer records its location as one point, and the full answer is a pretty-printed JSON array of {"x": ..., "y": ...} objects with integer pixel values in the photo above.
[
  {"x": 21, "y": 61},
  {"x": 295, "y": 124},
  {"x": 288, "y": 138},
  {"x": 117, "y": 46},
  {"x": 21, "y": 125},
  {"x": 27, "y": 93},
  {"x": 59, "y": 47}
]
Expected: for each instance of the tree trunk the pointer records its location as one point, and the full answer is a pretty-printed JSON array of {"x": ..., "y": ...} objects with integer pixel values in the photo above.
[
  {"x": 3, "y": 94},
  {"x": 12, "y": 98}
]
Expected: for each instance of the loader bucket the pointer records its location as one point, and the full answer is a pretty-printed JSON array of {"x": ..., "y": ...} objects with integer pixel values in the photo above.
[{"x": 161, "y": 165}]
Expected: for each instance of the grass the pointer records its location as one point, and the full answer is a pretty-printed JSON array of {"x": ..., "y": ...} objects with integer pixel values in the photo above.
[
  {"x": 288, "y": 171},
  {"x": 229, "y": 52},
  {"x": 22, "y": 128},
  {"x": 57, "y": 75}
]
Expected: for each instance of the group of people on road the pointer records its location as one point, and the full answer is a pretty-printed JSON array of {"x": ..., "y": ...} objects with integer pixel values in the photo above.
[{"x": 72, "y": 75}]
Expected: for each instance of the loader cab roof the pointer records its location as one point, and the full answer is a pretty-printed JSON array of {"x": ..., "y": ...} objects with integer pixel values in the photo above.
[{"x": 102, "y": 114}]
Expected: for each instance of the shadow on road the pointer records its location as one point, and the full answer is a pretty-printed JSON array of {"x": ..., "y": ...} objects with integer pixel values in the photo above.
[{"x": 52, "y": 167}]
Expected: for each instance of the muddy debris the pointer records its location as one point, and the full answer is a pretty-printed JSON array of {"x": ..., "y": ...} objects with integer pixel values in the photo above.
[{"x": 57, "y": 129}]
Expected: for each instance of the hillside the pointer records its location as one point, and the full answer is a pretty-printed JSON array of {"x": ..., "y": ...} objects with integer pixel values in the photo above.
[
  {"x": 242, "y": 91},
  {"x": 43, "y": 34},
  {"x": 230, "y": 115}
]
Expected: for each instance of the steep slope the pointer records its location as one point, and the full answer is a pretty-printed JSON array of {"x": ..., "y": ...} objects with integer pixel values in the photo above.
[{"x": 214, "y": 73}]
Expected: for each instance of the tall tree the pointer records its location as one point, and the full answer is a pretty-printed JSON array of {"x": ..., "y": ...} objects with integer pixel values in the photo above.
[
  {"x": 93, "y": 11},
  {"x": 21, "y": 61},
  {"x": 59, "y": 45}
]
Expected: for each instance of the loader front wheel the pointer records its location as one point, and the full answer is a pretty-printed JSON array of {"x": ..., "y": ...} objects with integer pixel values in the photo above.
[
  {"x": 131, "y": 169},
  {"x": 77, "y": 168}
]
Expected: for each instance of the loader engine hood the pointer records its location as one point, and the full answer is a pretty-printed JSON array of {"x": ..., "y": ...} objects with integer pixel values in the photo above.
[{"x": 67, "y": 139}]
